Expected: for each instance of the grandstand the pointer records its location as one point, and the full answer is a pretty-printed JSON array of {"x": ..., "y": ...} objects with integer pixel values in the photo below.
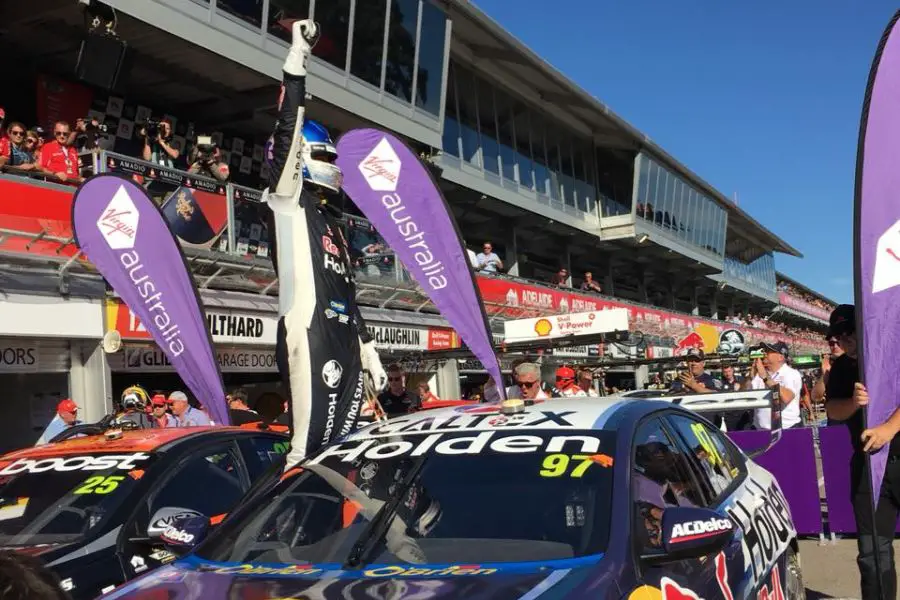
[{"x": 513, "y": 141}]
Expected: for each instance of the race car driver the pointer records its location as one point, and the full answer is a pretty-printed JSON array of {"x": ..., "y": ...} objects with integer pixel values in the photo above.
[
  {"x": 566, "y": 387},
  {"x": 135, "y": 400},
  {"x": 324, "y": 351}
]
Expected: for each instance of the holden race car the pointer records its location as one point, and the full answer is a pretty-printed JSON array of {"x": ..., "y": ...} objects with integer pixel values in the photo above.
[
  {"x": 94, "y": 508},
  {"x": 568, "y": 498}
]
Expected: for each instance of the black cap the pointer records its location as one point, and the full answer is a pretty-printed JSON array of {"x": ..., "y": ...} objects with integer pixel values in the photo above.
[
  {"x": 779, "y": 347},
  {"x": 842, "y": 320},
  {"x": 695, "y": 354}
]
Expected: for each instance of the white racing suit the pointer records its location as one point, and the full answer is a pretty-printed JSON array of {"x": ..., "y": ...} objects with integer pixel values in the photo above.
[{"x": 320, "y": 330}]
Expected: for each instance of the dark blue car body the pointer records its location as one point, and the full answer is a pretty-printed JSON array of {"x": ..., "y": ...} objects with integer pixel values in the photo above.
[{"x": 727, "y": 534}]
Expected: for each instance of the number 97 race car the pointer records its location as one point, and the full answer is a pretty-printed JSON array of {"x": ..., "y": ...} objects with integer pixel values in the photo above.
[{"x": 569, "y": 498}]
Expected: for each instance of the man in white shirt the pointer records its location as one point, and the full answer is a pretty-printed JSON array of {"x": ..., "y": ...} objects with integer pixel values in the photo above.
[
  {"x": 773, "y": 370},
  {"x": 487, "y": 260}
]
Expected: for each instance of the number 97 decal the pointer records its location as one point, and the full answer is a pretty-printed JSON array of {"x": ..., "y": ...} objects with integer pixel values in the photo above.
[
  {"x": 557, "y": 465},
  {"x": 99, "y": 485}
]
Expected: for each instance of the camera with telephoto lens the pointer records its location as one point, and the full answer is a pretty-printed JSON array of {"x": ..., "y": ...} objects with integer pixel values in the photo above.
[
  {"x": 152, "y": 128},
  {"x": 206, "y": 149},
  {"x": 89, "y": 126}
]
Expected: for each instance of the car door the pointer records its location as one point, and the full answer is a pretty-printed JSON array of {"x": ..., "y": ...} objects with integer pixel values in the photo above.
[
  {"x": 720, "y": 471},
  {"x": 665, "y": 474},
  {"x": 208, "y": 480}
]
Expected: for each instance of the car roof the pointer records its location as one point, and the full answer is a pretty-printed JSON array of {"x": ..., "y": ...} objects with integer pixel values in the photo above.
[
  {"x": 139, "y": 440},
  {"x": 582, "y": 413}
]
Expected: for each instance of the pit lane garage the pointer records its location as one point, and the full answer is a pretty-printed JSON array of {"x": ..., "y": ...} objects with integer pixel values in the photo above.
[
  {"x": 93, "y": 508},
  {"x": 579, "y": 498}
]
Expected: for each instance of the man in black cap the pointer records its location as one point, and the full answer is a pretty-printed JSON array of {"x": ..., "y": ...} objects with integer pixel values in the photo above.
[
  {"x": 844, "y": 396},
  {"x": 695, "y": 380},
  {"x": 771, "y": 370}
]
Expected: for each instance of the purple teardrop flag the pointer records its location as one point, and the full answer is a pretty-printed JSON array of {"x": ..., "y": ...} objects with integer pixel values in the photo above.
[
  {"x": 395, "y": 191},
  {"x": 877, "y": 240},
  {"x": 124, "y": 234}
]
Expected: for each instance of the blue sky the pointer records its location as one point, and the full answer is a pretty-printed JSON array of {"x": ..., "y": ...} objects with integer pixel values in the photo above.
[{"x": 759, "y": 98}]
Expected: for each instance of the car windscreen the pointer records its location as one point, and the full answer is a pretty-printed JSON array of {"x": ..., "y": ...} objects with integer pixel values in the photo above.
[
  {"x": 493, "y": 496},
  {"x": 61, "y": 499}
]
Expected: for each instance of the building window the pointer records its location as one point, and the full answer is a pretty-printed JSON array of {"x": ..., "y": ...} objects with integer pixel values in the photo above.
[
  {"x": 249, "y": 11},
  {"x": 451, "y": 131},
  {"x": 431, "y": 58},
  {"x": 333, "y": 18},
  {"x": 487, "y": 123},
  {"x": 282, "y": 14},
  {"x": 368, "y": 40},
  {"x": 401, "y": 50}
]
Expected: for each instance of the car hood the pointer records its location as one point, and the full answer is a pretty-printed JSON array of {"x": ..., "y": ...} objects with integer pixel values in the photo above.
[{"x": 193, "y": 578}]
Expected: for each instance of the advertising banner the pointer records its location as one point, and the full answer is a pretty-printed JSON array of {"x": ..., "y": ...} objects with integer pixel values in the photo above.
[
  {"x": 799, "y": 305},
  {"x": 407, "y": 338},
  {"x": 557, "y": 326},
  {"x": 792, "y": 461},
  {"x": 877, "y": 240},
  {"x": 125, "y": 236},
  {"x": 225, "y": 326},
  {"x": 516, "y": 300},
  {"x": 395, "y": 192}
]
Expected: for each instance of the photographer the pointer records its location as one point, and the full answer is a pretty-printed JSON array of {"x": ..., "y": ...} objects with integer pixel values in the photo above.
[
  {"x": 157, "y": 143},
  {"x": 206, "y": 160},
  {"x": 87, "y": 131}
]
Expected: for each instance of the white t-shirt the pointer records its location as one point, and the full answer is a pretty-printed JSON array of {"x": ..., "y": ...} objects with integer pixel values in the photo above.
[{"x": 788, "y": 378}]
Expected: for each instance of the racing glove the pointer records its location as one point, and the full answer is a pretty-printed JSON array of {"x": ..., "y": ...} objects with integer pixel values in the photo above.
[
  {"x": 304, "y": 35},
  {"x": 374, "y": 376}
]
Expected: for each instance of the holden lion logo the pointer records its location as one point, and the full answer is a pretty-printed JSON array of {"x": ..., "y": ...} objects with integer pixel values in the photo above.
[
  {"x": 381, "y": 167},
  {"x": 119, "y": 221},
  {"x": 331, "y": 373},
  {"x": 887, "y": 260}
]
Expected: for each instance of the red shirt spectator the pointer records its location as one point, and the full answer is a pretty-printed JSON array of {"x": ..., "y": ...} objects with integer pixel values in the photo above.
[
  {"x": 58, "y": 158},
  {"x": 4, "y": 141}
]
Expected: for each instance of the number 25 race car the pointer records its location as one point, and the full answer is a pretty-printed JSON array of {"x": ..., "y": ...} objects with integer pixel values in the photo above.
[{"x": 569, "y": 498}]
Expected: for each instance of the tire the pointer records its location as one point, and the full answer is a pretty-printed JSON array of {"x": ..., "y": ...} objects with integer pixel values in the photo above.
[{"x": 794, "y": 588}]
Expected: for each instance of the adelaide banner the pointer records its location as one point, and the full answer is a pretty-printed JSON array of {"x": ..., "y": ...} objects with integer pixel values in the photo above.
[
  {"x": 124, "y": 234},
  {"x": 393, "y": 189},
  {"x": 877, "y": 240}
]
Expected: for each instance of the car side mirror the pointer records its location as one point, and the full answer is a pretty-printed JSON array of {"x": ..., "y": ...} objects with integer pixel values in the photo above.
[
  {"x": 166, "y": 516},
  {"x": 691, "y": 533},
  {"x": 185, "y": 533}
]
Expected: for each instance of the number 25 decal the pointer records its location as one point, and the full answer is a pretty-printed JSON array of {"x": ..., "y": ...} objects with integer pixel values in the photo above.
[
  {"x": 556, "y": 465},
  {"x": 99, "y": 484}
]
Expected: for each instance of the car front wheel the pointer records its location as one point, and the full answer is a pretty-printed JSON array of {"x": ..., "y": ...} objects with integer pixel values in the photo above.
[{"x": 794, "y": 588}]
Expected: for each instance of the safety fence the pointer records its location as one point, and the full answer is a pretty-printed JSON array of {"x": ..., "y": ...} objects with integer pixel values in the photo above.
[{"x": 820, "y": 505}]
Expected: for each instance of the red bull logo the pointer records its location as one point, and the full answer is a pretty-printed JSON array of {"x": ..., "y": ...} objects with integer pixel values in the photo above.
[
  {"x": 692, "y": 340},
  {"x": 673, "y": 591}
]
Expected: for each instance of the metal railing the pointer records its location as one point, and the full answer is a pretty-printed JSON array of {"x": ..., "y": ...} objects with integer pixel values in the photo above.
[{"x": 233, "y": 249}]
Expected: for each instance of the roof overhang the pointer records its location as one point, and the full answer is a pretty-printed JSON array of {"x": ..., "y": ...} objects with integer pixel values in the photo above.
[{"x": 488, "y": 47}]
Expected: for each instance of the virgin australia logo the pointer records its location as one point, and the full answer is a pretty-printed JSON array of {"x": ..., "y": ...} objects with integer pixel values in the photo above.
[
  {"x": 381, "y": 167},
  {"x": 118, "y": 223},
  {"x": 887, "y": 260}
]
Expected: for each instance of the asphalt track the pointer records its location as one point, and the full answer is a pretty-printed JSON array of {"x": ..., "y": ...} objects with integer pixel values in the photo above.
[{"x": 829, "y": 571}]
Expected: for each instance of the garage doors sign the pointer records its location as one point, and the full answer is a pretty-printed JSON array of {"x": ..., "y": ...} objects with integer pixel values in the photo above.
[{"x": 18, "y": 359}]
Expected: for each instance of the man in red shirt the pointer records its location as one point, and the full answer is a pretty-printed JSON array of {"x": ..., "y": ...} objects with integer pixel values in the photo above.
[{"x": 58, "y": 158}]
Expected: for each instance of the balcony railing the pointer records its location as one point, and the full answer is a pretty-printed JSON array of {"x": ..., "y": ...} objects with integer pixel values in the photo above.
[{"x": 224, "y": 234}]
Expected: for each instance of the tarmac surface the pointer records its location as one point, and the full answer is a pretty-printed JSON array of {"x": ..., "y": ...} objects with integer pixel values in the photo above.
[{"x": 829, "y": 571}]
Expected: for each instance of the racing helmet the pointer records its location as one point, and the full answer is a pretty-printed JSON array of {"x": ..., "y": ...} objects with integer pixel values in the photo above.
[
  {"x": 135, "y": 398},
  {"x": 565, "y": 374},
  {"x": 319, "y": 156}
]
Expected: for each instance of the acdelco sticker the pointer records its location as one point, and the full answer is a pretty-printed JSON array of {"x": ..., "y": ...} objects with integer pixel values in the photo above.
[
  {"x": 694, "y": 530},
  {"x": 100, "y": 462}
]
